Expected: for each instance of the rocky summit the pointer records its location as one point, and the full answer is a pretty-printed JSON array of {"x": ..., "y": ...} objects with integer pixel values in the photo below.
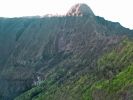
[
  {"x": 80, "y": 10},
  {"x": 79, "y": 56}
]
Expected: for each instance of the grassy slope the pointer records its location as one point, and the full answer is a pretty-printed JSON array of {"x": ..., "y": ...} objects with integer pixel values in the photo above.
[
  {"x": 117, "y": 88},
  {"x": 114, "y": 77},
  {"x": 115, "y": 73}
]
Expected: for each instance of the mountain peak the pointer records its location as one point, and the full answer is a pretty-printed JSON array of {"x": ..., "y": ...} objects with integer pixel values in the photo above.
[{"x": 80, "y": 9}]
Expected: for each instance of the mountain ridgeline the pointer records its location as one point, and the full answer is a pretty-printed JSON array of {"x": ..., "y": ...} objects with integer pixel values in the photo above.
[{"x": 78, "y": 56}]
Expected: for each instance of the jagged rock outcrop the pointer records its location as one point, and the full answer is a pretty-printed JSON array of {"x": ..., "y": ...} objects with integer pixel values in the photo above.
[{"x": 80, "y": 10}]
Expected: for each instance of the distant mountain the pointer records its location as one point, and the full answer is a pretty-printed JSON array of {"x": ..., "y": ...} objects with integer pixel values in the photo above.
[{"x": 79, "y": 56}]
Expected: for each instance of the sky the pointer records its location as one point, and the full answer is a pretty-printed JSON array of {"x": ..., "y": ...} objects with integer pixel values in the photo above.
[{"x": 113, "y": 10}]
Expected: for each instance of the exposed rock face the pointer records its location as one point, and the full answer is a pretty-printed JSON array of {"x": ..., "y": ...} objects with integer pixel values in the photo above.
[
  {"x": 59, "y": 49},
  {"x": 80, "y": 10}
]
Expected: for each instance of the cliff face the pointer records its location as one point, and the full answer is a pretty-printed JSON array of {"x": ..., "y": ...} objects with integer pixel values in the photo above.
[{"x": 50, "y": 52}]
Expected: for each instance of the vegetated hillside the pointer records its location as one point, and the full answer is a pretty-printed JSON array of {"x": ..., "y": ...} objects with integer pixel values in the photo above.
[{"x": 75, "y": 57}]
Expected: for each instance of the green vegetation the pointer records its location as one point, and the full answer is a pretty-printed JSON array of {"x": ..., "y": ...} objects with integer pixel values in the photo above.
[
  {"x": 112, "y": 63},
  {"x": 121, "y": 83},
  {"x": 113, "y": 79}
]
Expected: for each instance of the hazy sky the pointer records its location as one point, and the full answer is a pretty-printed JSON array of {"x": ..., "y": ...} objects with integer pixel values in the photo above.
[{"x": 114, "y": 10}]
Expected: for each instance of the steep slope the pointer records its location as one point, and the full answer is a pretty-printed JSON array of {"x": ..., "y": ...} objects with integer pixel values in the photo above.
[
  {"x": 56, "y": 58},
  {"x": 111, "y": 79}
]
